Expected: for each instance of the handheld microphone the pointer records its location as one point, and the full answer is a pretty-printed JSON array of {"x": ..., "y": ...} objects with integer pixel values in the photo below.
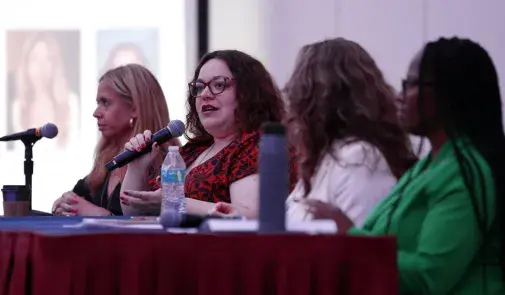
[
  {"x": 172, "y": 218},
  {"x": 273, "y": 178},
  {"x": 49, "y": 130},
  {"x": 174, "y": 129}
]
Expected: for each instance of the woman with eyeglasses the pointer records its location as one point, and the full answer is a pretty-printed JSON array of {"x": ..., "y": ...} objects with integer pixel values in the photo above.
[
  {"x": 420, "y": 145},
  {"x": 447, "y": 211},
  {"x": 230, "y": 97}
]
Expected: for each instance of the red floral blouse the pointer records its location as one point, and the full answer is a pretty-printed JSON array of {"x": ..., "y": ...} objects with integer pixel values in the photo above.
[{"x": 211, "y": 180}]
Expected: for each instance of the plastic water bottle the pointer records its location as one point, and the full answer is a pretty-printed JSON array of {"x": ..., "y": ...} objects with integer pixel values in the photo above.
[{"x": 173, "y": 173}]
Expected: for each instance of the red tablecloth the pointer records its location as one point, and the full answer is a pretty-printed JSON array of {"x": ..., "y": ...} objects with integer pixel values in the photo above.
[{"x": 196, "y": 264}]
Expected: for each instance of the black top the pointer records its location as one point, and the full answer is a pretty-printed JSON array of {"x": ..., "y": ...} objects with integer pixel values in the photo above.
[{"x": 100, "y": 197}]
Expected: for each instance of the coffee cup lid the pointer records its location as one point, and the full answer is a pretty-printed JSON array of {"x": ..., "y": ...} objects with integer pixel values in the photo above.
[{"x": 13, "y": 187}]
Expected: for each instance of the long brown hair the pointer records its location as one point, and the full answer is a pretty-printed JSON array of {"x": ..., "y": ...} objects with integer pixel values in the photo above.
[
  {"x": 57, "y": 86},
  {"x": 139, "y": 88},
  {"x": 337, "y": 92},
  {"x": 259, "y": 99}
]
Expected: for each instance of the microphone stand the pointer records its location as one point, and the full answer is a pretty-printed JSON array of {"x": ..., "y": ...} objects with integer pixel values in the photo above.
[{"x": 28, "y": 165}]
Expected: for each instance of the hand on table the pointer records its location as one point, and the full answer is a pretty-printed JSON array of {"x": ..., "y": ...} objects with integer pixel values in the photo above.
[
  {"x": 70, "y": 204},
  {"x": 62, "y": 205},
  {"x": 224, "y": 210},
  {"x": 144, "y": 201},
  {"x": 321, "y": 210}
]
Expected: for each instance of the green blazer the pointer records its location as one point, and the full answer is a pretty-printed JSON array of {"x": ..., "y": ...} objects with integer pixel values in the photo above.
[{"x": 439, "y": 243}]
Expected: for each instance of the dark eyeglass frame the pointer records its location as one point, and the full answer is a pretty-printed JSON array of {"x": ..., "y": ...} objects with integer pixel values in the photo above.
[
  {"x": 227, "y": 81},
  {"x": 408, "y": 83}
]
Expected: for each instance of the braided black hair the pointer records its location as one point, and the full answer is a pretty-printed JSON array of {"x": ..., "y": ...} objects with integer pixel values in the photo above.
[
  {"x": 467, "y": 98},
  {"x": 468, "y": 103}
]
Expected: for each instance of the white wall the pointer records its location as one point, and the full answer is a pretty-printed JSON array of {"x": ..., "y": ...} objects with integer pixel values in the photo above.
[
  {"x": 238, "y": 25},
  {"x": 482, "y": 21},
  {"x": 292, "y": 24},
  {"x": 391, "y": 30}
]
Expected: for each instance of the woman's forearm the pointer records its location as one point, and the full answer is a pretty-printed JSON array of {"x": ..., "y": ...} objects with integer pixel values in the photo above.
[
  {"x": 134, "y": 180},
  {"x": 203, "y": 208},
  {"x": 198, "y": 207}
]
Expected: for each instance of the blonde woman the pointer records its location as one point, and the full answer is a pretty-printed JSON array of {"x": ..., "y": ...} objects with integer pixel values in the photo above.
[{"x": 129, "y": 101}]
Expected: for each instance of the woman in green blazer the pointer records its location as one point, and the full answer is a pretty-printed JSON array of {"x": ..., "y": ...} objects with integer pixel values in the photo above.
[{"x": 447, "y": 211}]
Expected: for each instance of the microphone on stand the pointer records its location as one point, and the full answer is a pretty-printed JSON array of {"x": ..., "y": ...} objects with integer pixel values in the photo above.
[
  {"x": 174, "y": 129},
  {"x": 49, "y": 130},
  {"x": 29, "y": 138},
  {"x": 273, "y": 178},
  {"x": 173, "y": 219}
]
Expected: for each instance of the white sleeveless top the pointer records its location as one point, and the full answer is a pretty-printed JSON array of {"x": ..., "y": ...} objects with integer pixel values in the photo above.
[
  {"x": 420, "y": 146},
  {"x": 354, "y": 177}
]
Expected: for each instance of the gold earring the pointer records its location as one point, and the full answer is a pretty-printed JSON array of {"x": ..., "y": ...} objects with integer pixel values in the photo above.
[{"x": 131, "y": 122}]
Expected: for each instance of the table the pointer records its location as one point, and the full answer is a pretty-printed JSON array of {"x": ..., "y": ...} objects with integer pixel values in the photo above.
[{"x": 48, "y": 261}]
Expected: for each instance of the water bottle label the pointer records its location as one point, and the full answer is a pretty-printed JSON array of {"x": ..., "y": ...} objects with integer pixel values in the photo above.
[{"x": 173, "y": 175}]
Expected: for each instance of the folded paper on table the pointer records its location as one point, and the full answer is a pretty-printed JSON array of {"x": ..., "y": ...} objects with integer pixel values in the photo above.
[
  {"x": 117, "y": 223},
  {"x": 136, "y": 224},
  {"x": 308, "y": 227}
]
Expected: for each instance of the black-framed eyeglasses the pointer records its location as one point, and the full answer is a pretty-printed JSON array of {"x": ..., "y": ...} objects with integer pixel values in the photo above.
[
  {"x": 216, "y": 86},
  {"x": 411, "y": 83}
]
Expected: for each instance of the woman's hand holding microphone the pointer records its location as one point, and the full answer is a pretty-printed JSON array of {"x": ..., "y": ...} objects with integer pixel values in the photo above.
[{"x": 145, "y": 202}]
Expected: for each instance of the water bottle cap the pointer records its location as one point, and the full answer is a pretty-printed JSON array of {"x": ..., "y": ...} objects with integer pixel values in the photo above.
[
  {"x": 173, "y": 148},
  {"x": 273, "y": 128}
]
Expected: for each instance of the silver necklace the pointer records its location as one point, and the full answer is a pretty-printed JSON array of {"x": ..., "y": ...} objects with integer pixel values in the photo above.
[
  {"x": 211, "y": 147},
  {"x": 207, "y": 153}
]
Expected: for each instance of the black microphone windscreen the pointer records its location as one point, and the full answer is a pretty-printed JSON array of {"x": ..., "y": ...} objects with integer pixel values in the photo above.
[
  {"x": 176, "y": 128},
  {"x": 170, "y": 218},
  {"x": 49, "y": 130}
]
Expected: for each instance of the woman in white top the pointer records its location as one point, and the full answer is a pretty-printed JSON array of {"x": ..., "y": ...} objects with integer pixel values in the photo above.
[{"x": 342, "y": 120}]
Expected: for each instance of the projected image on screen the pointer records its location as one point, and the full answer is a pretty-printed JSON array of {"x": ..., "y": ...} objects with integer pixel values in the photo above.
[
  {"x": 43, "y": 82},
  {"x": 120, "y": 47}
]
